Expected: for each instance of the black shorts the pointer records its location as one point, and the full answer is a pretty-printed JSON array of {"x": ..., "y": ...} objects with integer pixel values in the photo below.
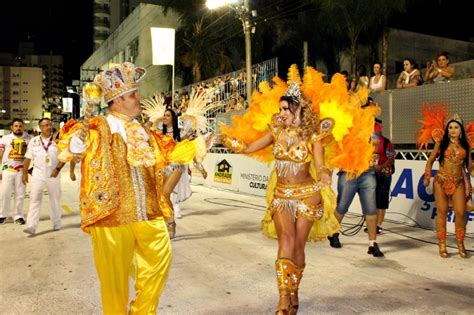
[{"x": 382, "y": 192}]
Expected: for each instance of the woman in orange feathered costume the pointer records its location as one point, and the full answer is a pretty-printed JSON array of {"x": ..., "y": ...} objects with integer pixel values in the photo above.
[
  {"x": 283, "y": 124},
  {"x": 451, "y": 183}
]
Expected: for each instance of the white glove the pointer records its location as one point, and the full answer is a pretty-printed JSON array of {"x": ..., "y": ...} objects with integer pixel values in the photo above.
[{"x": 76, "y": 146}]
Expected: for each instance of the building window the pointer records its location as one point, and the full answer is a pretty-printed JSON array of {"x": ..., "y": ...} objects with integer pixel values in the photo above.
[
  {"x": 15, "y": 83},
  {"x": 133, "y": 50},
  {"x": 24, "y": 82}
]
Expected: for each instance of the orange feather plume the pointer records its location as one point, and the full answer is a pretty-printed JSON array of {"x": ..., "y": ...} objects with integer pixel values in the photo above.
[{"x": 434, "y": 118}]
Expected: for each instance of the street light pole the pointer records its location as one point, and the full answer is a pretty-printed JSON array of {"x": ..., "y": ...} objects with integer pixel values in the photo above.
[
  {"x": 248, "y": 48},
  {"x": 244, "y": 14}
]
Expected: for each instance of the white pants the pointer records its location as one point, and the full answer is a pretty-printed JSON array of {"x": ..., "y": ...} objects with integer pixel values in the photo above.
[
  {"x": 11, "y": 181},
  {"x": 36, "y": 196}
]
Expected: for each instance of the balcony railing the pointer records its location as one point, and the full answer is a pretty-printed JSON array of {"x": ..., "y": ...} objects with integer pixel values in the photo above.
[
  {"x": 402, "y": 107},
  {"x": 104, "y": 22},
  {"x": 100, "y": 35},
  {"x": 101, "y": 8}
]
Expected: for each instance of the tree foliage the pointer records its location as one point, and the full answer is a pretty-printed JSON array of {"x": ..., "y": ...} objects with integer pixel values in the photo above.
[{"x": 331, "y": 28}]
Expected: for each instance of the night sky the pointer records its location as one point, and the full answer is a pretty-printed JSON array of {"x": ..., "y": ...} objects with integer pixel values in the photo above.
[
  {"x": 57, "y": 27},
  {"x": 65, "y": 27}
]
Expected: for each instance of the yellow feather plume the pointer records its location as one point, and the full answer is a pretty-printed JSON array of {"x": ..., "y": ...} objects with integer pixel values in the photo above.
[
  {"x": 293, "y": 75},
  {"x": 351, "y": 149}
]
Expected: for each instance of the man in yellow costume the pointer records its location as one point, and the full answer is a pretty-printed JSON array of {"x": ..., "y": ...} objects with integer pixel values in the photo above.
[{"x": 122, "y": 174}]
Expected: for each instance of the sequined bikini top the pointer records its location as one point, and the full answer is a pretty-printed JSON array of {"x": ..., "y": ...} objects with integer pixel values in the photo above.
[
  {"x": 455, "y": 154},
  {"x": 290, "y": 151},
  {"x": 294, "y": 150}
]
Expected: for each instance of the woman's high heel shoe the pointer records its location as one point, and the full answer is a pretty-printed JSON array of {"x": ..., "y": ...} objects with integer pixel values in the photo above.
[
  {"x": 443, "y": 252},
  {"x": 171, "y": 229},
  {"x": 285, "y": 272},
  {"x": 460, "y": 234},
  {"x": 298, "y": 274}
]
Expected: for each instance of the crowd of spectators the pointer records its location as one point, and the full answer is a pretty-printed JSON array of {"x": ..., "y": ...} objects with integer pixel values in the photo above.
[
  {"x": 230, "y": 89},
  {"x": 437, "y": 70}
]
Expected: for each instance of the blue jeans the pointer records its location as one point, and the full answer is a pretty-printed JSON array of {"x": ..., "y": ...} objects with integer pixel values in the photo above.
[{"x": 365, "y": 185}]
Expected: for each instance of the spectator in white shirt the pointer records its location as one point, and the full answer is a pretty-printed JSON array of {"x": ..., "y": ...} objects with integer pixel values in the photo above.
[{"x": 12, "y": 155}]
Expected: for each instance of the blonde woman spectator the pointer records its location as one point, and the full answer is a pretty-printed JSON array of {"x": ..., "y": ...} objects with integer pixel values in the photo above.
[
  {"x": 378, "y": 83},
  {"x": 361, "y": 80},
  {"x": 439, "y": 70},
  {"x": 410, "y": 76}
]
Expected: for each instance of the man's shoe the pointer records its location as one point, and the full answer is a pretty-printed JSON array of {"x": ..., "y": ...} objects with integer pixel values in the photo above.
[
  {"x": 29, "y": 231},
  {"x": 20, "y": 221},
  {"x": 3, "y": 220},
  {"x": 375, "y": 251},
  {"x": 334, "y": 241}
]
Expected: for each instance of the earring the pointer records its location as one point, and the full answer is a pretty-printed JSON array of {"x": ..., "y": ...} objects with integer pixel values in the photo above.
[{"x": 296, "y": 120}]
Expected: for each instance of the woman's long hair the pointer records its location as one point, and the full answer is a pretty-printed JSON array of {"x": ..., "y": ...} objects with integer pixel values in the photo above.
[
  {"x": 174, "y": 120},
  {"x": 309, "y": 122},
  {"x": 462, "y": 140}
]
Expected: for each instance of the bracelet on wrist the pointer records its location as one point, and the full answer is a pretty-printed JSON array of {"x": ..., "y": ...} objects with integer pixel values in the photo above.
[{"x": 235, "y": 145}]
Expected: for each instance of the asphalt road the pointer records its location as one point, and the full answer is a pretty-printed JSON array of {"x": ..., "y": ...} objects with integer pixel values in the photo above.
[{"x": 223, "y": 265}]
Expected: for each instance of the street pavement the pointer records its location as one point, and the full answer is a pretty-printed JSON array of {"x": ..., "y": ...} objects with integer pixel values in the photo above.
[{"x": 223, "y": 265}]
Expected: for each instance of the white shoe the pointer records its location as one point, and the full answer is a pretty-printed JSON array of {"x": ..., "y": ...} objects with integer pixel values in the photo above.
[{"x": 29, "y": 231}]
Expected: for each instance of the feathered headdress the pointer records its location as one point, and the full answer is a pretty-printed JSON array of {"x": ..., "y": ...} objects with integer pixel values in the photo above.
[
  {"x": 341, "y": 118},
  {"x": 434, "y": 123},
  {"x": 194, "y": 116},
  {"x": 154, "y": 108}
]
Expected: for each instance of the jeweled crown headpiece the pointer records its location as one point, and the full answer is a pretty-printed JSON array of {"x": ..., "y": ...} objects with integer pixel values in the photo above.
[
  {"x": 456, "y": 118},
  {"x": 294, "y": 91},
  {"x": 119, "y": 80}
]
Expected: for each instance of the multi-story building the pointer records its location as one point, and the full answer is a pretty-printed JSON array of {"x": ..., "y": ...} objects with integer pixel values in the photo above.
[
  {"x": 131, "y": 41},
  {"x": 21, "y": 93},
  {"x": 53, "y": 71},
  {"x": 109, "y": 14}
]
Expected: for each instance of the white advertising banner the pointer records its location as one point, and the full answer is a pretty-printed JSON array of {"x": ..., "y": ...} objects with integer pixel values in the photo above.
[
  {"x": 410, "y": 201},
  {"x": 67, "y": 104},
  {"x": 162, "y": 41}
]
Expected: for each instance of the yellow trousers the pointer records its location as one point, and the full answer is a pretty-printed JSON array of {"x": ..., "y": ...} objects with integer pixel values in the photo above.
[{"x": 147, "y": 245}]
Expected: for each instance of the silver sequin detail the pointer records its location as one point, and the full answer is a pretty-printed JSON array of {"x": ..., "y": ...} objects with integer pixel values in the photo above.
[
  {"x": 136, "y": 190},
  {"x": 170, "y": 168},
  {"x": 288, "y": 168}
]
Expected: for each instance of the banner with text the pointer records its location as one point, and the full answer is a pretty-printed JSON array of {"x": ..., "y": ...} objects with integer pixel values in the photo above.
[{"x": 410, "y": 201}]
